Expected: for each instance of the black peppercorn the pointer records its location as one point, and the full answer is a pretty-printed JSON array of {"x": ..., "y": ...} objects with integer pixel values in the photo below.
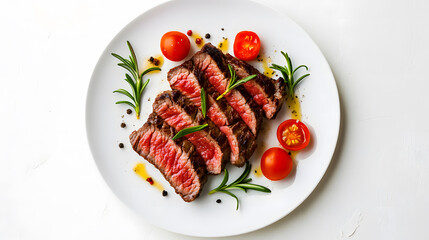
[
  {"x": 123, "y": 125},
  {"x": 121, "y": 145},
  {"x": 207, "y": 36},
  {"x": 164, "y": 193},
  {"x": 129, "y": 111},
  {"x": 218, "y": 201}
]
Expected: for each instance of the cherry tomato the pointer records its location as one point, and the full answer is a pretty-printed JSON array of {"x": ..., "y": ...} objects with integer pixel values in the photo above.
[
  {"x": 293, "y": 135},
  {"x": 175, "y": 45},
  {"x": 276, "y": 163},
  {"x": 246, "y": 45}
]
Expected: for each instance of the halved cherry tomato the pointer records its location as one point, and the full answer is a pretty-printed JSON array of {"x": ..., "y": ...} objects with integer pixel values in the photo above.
[
  {"x": 276, "y": 163},
  {"x": 175, "y": 45},
  {"x": 246, "y": 45},
  {"x": 293, "y": 135}
]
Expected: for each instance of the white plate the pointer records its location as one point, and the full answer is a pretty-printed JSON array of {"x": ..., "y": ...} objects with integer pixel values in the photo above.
[{"x": 205, "y": 217}]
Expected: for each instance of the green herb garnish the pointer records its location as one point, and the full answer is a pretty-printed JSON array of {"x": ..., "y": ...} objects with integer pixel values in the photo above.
[
  {"x": 233, "y": 83},
  {"x": 203, "y": 102},
  {"x": 242, "y": 183},
  {"x": 135, "y": 82},
  {"x": 288, "y": 72},
  {"x": 189, "y": 130}
]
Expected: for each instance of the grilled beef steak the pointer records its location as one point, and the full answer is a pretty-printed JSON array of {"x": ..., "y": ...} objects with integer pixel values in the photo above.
[
  {"x": 241, "y": 140},
  {"x": 180, "y": 113},
  {"x": 177, "y": 160},
  {"x": 268, "y": 93},
  {"x": 233, "y": 121}
]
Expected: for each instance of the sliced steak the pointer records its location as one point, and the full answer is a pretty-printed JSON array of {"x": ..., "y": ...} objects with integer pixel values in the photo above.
[
  {"x": 267, "y": 93},
  {"x": 241, "y": 140},
  {"x": 177, "y": 160},
  {"x": 211, "y": 63},
  {"x": 179, "y": 112}
]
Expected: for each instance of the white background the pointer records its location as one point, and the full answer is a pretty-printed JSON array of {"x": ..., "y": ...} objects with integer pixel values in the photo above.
[{"x": 376, "y": 185}]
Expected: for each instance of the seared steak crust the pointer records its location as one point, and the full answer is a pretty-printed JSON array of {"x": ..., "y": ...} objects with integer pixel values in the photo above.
[{"x": 177, "y": 160}]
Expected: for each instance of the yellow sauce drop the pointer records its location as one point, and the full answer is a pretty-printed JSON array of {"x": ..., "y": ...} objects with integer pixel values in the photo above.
[
  {"x": 140, "y": 169},
  {"x": 294, "y": 107},
  {"x": 293, "y": 155},
  {"x": 267, "y": 70},
  {"x": 149, "y": 64},
  {"x": 257, "y": 171},
  {"x": 194, "y": 37},
  {"x": 224, "y": 45}
]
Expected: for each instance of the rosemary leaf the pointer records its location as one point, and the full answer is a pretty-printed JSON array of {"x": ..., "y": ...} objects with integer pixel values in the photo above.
[
  {"x": 131, "y": 83},
  {"x": 126, "y": 102},
  {"x": 129, "y": 68},
  {"x": 203, "y": 102},
  {"x": 125, "y": 92},
  {"x": 244, "y": 175},
  {"x": 150, "y": 70},
  {"x": 232, "y": 195},
  {"x": 189, "y": 130},
  {"x": 123, "y": 60},
  {"x": 300, "y": 66},
  {"x": 253, "y": 187},
  {"x": 144, "y": 86}
]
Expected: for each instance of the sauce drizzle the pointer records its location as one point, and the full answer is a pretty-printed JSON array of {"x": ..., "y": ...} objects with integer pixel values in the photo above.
[
  {"x": 223, "y": 45},
  {"x": 267, "y": 70},
  {"x": 149, "y": 63},
  {"x": 194, "y": 37},
  {"x": 140, "y": 169}
]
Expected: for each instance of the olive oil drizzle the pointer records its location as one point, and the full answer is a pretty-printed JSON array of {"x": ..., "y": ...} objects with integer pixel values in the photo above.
[
  {"x": 140, "y": 169},
  {"x": 224, "y": 45}
]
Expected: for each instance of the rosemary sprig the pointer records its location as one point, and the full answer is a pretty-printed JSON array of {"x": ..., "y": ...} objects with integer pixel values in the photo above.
[
  {"x": 189, "y": 130},
  {"x": 242, "y": 183},
  {"x": 135, "y": 82},
  {"x": 233, "y": 83},
  {"x": 203, "y": 102},
  {"x": 288, "y": 72}
]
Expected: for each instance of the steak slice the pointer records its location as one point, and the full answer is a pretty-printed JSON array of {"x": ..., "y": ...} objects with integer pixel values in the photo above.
[
  {"x": 180, "y": 113},
  {"x": 241, "y": 140},
  {"x": 177, "y": 160},
  {"x": 267, "y": 93},
  {"x": 211, "y": 63}
]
